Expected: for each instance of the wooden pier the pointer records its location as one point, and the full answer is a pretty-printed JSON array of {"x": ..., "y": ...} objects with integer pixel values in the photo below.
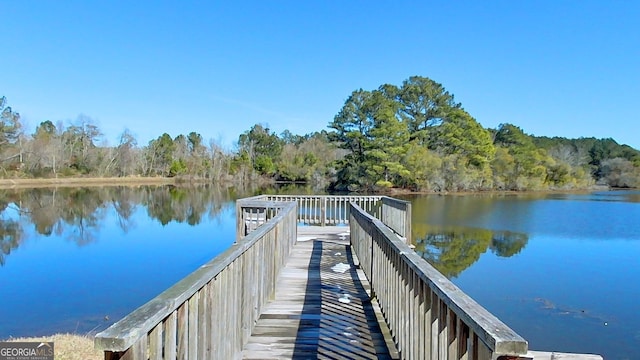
[
  {"x": 317, "y": 277},
  {"x": 322, "y": 307}
]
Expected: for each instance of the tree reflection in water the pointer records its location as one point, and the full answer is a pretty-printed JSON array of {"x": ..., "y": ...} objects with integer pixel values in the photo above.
[
  {"x": 451, "y": 250},
  {"x": 78, "y": 213}
]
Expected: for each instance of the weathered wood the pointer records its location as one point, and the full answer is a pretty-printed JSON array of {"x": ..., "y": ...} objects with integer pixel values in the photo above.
[
  {"x": 193, "y": 327},
  {"x": 170, "y": 328},
  {"x": 494, "y": 334},
  {"x": 192, "y": 303},
  {"x": 183, "y": 331},
  {"x": 321, "y": 309},
  {"x": 542, "y": 355},
  {"x": 139, "y": 349},
  {"x": 216, "y": 295},
  {"x": 203, "y": 323},
  {"x": 331, "y": 209},
  {"x": 396, "y": 214},
  {"x": 155, "y": 343}
]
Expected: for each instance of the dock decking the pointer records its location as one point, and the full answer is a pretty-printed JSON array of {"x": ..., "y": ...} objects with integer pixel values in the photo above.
[{"x": 322, "y": 307}]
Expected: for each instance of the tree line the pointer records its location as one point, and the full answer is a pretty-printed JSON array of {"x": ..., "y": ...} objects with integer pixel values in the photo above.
[
  {"x": 417, "y": 136},
  {"x": 414, "y": 136}
]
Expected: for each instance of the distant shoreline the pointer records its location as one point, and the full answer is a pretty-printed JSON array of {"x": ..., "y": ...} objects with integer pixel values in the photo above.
[
  {"x": 21, "y": 183},
  {"x": 81, "y": 181}
]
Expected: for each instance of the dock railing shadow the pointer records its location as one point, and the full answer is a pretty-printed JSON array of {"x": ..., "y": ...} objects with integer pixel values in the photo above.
[{"x": 337, "y": 316}]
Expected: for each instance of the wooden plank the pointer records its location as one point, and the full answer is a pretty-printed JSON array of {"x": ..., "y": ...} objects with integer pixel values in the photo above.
[
  {"x": 155, "y": 343},
  {"x": 183, "y": 331},
  {"x": 170, "y": 335},
  {"x": 203, "y": 323},
  {"x": 543, "y": 355},
  {"x": 454, "y": 328},
  {"x": 321, "y": 309},
  {"x": 216, "y": 294},
  {"x": 139, "y": 349},
  {"x": 435, "y": 318},
  {"x": 193, "y": 327},
  {"x": 223, "y": 306}
]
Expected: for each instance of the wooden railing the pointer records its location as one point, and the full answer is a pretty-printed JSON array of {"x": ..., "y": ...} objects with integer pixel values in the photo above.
[
  {"x": 429, "y": 317},
  {"x": 334, "y": 209},
  {"x": 251, "y": 213},
  {"x": 210, "y": 314},
  {"x": 396, "y": 214},
  {"x": 324, "y": 210}
]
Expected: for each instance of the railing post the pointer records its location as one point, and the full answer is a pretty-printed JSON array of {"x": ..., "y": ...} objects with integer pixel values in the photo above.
[
  {"x": 407, "y": 224},
  {"x": 239, "y": 222},
  {"x": 323, "y": 211}
]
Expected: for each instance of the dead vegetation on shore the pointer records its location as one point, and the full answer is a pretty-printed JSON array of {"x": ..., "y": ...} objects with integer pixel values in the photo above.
[
  {"x": 79, "y": 181},
  {"x": 68, "y": 346}
]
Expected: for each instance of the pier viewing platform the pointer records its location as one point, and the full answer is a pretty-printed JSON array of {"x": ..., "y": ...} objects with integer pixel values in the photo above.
[{"x": 317, "y": 277}]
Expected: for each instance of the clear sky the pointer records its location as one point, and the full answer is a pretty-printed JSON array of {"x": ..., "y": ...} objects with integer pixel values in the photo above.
[{"x": 553, "y": 67}]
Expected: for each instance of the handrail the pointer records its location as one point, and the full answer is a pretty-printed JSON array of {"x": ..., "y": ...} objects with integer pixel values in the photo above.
[
  {"x": 325, "y": 210},
  {"x": 428, "y": 315},
  {"x": 334, "y": 209},
  {"x": 253, "y": 212},
  {"x": 396, "y": 214},
  {"x": 226, "y": 295}
]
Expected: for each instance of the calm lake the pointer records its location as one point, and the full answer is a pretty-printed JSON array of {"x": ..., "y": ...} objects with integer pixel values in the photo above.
[{"x": 560, "y": 269}]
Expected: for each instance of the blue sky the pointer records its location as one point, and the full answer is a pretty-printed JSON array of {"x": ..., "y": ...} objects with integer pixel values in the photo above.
[{"x": 565, "y": 68}]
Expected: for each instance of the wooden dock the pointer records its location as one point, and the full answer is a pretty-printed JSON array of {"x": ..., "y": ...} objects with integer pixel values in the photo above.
[
  {"x": 285, "y": 291},
  {"x": 322, "y": 307}
]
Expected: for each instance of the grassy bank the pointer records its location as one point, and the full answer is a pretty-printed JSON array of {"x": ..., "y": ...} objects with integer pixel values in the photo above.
[{"x": 68, "y": 346}]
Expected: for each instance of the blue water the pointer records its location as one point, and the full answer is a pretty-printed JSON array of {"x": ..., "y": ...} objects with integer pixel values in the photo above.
[
  {"x": 573, "y": 287},
  {"x": 560, "y": 269},
  {"x": 81, "y": 279}
]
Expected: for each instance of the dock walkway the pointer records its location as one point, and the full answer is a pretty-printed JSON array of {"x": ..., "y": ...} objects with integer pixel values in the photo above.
[{"x": 322, "y": 307}]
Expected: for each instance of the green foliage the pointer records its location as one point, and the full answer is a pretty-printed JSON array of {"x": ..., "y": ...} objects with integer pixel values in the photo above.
[
  {"x": 424, "y": 169},
  {"x": 423, "y": 104},
  {"x": 522, "y": 166},
  {"x": 9, "y": 123},
  {"x": 262, "y": 147},
  {"x": 588, "y": 156},
  {"x": 46, "y": 129},
  {"x": 264, "y": 165},
  {"x": 160, "y": 155},
  {"x": 460, "y": 134},
  {"x": 178, "y": 167},
  {"x": 383, "y": 131},
  {"x": 352, "y": 126}
]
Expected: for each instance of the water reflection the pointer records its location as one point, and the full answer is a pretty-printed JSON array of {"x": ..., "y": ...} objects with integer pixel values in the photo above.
[
  {"x": 560, "y": 269},
  {"x": 79, "y": 259},
  {"x": 451, "y": 250},
  {"x": 11, "y": 238},
  {"x": 627, "y": 196},
  {"x": 77, "y": 214}
]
